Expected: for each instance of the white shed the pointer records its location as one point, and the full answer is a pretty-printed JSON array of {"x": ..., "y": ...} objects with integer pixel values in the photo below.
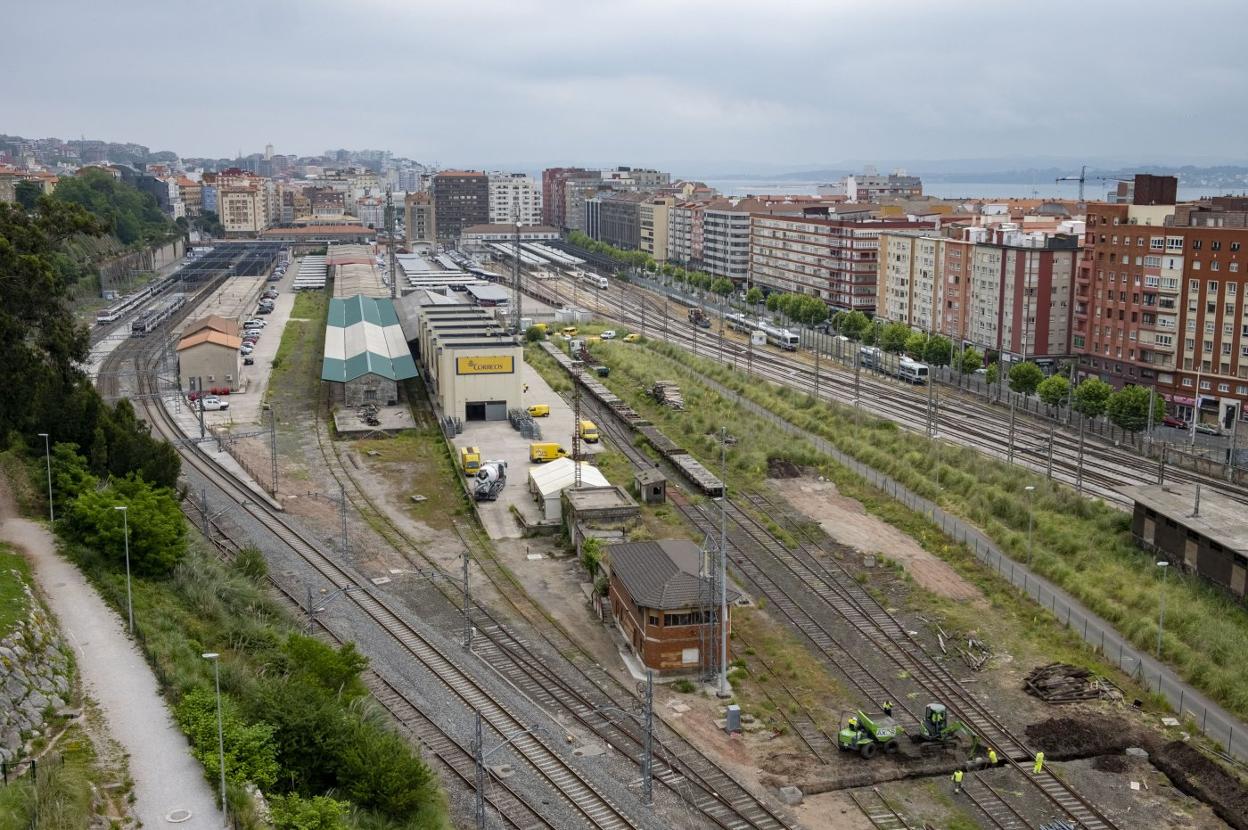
[{"x": 548, "y": 481}]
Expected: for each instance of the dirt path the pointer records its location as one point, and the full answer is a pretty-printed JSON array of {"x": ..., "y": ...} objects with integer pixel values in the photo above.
[
  {"x": 848, "y": 522},
  {"x": 114, "y": 673}
]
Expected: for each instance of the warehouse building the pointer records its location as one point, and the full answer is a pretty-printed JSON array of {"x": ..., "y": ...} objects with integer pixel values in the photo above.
[
  {"x": 661, "y": 602},
  {"x": 472, "y": 365},
  {"x": 366, "y": 354},
  {"x": 548, "y": 481},
  {"x": 208, "y": 356},
  {"x": 1203, "y": 533}
]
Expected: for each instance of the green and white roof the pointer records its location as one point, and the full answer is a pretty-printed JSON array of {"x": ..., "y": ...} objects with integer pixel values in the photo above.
[{"x": 363, "y": 337}]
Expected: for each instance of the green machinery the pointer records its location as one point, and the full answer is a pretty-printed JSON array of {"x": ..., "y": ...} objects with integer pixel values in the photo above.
[
  {"x": 868, "y": 735},
  {"x": 937, "y": 728}
]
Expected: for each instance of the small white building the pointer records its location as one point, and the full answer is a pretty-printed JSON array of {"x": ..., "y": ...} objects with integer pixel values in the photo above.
[{"x": 548, "y": 481}]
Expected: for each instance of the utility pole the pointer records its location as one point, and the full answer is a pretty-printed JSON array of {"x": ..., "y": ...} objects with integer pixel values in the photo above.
[
  {"x": 394, "y": 284},
  {"x": 1152, "y": 390},
  {"x": 342, "y": 516},
  {"x": 273, "y": 447},
  {"x": 722, "y": 574},
  {"x": 1079, "y": 462},
  {"x": 647, "y": 757},
  {"x": 467, "y": 605},
  {"x": 515, "y": 276},
  {"x": 1161, "y": 464},
  {"x": 478, "y": 754},
  {"x": 1052, "y": 431},
  {"x": 816, "y": 367}
]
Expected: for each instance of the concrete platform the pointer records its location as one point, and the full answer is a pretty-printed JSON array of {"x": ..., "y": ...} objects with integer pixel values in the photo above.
[
  {"x": 392, "y": 418},
  {"x": 500, "y": 442}
]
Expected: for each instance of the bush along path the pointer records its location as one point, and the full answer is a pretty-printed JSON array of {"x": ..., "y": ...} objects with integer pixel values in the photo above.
[{"x": 1082, "y": 555}]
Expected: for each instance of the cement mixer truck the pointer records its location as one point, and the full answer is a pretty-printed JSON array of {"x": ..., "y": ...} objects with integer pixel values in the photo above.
[{"x": 489, "y": 481}]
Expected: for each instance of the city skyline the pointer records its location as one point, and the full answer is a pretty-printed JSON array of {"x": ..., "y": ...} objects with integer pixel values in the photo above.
[{"x": 694, "y": 86}]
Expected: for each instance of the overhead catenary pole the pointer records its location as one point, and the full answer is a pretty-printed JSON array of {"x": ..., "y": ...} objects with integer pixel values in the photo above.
[
  {"x": 724, "y": 689},
  {"x": 515, "y": 277},
  {"x": 273, "y": 448},
  {"x": 342, "y": 516},
  {"x": 647, "y": 757},
  {"x": 394, "y": 283}
]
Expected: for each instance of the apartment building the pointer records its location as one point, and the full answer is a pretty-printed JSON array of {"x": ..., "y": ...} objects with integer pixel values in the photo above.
[
  {"x": 869, "y": 186},
  {"x": 576, "y": 195},
  {"x": 726, "y": 238},
  {"x": 514, "y": 198},
  {"x": 554, "y": 180},
  {"x": 1159, "y": 303},
  {"x": 619, "y": 218},
  {"x": 653, "y": 214},
  {"x": 833, "y": 259},
  {"x": 684, "y": 232},
  {"x": 418, "y": 218},
  {"x": 1006, "y": 291},
  {"x": 372, "y": 211},
  {"x": 245, "y": 202},
  {"x": 461, "y": 198}
]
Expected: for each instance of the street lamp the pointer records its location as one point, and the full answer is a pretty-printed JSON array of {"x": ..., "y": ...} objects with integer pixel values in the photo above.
[
  {"x": 216, "y": 674},
  {"x": 47, "y": 454},
  {"x": 125, "y": 521},
  {"x": 1161, "y": 614},
  {"x": 1031, "y": 489}
]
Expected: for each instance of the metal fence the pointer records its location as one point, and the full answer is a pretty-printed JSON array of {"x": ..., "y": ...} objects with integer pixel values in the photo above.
[{"x": 1202, "y": 713}]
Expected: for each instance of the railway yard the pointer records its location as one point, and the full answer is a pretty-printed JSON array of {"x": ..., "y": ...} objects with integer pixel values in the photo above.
[{"x": 483, "y": 644}]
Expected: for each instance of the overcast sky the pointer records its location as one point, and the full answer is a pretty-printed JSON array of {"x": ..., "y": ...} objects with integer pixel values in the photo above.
[{"x": 705, "y": 84}]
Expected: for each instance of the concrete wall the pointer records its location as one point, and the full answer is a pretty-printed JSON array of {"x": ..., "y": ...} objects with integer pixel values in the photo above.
[
  {"x": 212, "y": 364},
  {"x": 34, "y": 676},
  {"x": 1194, "y": 552},
  {"x": 114, "y": 273},
  {"x": 368, "y": 388},
  {"x": 456, "y": 390}
]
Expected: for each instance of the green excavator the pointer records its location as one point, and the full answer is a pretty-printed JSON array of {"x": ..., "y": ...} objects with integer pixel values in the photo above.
[{"x": 937, "y": 728}]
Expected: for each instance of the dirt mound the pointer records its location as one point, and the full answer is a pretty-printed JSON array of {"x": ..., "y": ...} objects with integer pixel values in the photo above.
[
  {"x": 1069, "y": 737},
  {"x": 1199, "y": 776},
  {"x": 1111, "y": 763},
  {"x": 782, "y": 468}
]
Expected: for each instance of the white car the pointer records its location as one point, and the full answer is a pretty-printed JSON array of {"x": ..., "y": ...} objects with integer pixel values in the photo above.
[
  {"x": 609, "y": 334},
  {"x": 255, "y": 324},
  {"x": 212, "y": 404}
]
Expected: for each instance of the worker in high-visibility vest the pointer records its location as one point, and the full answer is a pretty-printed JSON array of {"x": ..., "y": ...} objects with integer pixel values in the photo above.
[
  {"x": 853, "y": 722},
  {"x": 957, "y": 780},
  {"x": 888, "y": 708},
  {"x": 1039, "y": 765},
  {"x": 992, "y": 757}
]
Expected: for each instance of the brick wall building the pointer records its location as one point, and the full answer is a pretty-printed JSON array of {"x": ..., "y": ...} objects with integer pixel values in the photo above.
[{"x": 460, "y": 198}]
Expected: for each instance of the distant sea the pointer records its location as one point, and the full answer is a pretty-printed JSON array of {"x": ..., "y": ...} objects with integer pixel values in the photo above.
[{"x": 947, "y": 190}]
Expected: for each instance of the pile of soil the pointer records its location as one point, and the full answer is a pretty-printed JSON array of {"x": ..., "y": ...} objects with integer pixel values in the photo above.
[
  {"x": 782, "y": 468},
  {"x": 1111, "y": 763},
  {"x": 1070, "y": 737},
  {"x": 1199, "y": 776}
]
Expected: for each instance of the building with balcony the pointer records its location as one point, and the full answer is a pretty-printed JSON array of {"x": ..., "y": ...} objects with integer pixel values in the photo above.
[
  {"x": 514, "y": 198},
  {"x": 654, "y": 218},
  {"x": 554, "y": 180},
  {"x": 619, "y": 218},
  {"x": 461, "y": 198},
  {"x": 418, "y": 218}
]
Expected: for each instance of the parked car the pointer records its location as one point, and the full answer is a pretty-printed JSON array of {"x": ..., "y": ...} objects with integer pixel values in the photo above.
[
  {"x": 246, "y": 349},
  {"x": 632, "y": 338},
  {"x": 609, "y": 334},
  {"x": 1173, "y": 421},
  {"x": 1208, "y": 429},
  {"x": 249, "y": 361},
  {"x": 264, "y": 310},
  {"x": 212, "y": 404}
]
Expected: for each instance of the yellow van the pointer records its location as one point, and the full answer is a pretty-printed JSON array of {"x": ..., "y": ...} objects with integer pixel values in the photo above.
[
  {"x": 469, "y": 460},
  {"x": 539, "y": 410},
  {"x": 568, "y": 331},
  {"x": 545, "y": 451},
  {"x": 589, "y": 432}
]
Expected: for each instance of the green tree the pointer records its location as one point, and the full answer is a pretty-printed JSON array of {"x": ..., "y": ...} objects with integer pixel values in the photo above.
[
  {"x": 1025, "y": 377},
  {"x": 938, "y": 351},
  {"x": 133, "y": 216},
  {"x": 250, "y": 755},
  {"x": 334, "y": 670},
  {"x": 378, "y": 770},
  {"x": 852, "y": 324},
  {"x": 773, "y": 302},
  {"x": 591, "y": 555},
  {"x": 970, "y": 360},
  {"x": 1054, "y": 390},
  {"x": 1091, "y": 397},
  {"x": 27, "y": 194},
  {"x": 721, "y": 286},
  {"x": 893, "y": 337},
  {"x": 157, "y": 530},
  {"x": 754, "y": 296},
  {"x": 292, "y": 812},
  {"x": 916, "y": 344},
  {"x": 1128, "y": 408},
  {"x": 993, "y": 374}
]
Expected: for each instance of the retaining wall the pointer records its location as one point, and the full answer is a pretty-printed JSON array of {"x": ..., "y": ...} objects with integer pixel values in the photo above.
[{"x": 34, "y": 665}]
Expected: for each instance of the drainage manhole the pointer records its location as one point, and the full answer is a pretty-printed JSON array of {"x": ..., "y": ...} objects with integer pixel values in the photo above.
[{"x": 178, "y": 816}]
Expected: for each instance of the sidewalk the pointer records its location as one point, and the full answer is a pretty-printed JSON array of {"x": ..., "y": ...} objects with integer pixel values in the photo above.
[{"x": 114, "y": 674}]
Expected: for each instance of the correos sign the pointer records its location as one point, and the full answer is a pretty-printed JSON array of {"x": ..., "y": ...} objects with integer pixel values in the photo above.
[{"x": 497, "y": 364}]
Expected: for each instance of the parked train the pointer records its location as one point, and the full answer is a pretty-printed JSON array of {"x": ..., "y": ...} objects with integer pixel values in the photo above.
[
  {"x": 911, "y": 371},
  {"x": 590, "y": 279},
  {"x": 130, "y": 302},
  {"x": 154, "y": 315}
]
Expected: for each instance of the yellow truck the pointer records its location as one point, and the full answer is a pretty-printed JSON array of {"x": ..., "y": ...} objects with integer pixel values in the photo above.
[
  {"x": 589, "y": 432},
  {"x": 470, "y": 460},
  {"x": 543, "y": 451},
  {"x": 539, "y": 410},
  {"x": 568, "y": 331}
]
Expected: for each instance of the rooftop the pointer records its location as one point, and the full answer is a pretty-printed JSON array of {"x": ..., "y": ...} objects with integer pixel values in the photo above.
[
  {"x": 560, "y": 474},
  {"x": 662, "y": 574},
  {"x": 362, "y": 336},
  {"x": 213, "y": 321},
  {"x": 510, "y": 229},
  {"x": 1221, "y": 518},
  {"x": 230, "y": 341}
]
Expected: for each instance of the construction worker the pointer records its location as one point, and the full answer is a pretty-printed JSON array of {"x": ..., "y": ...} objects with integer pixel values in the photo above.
[
  {"x": 1039, "y": 765},
  {"x": 888, "y": 708},
  {"x": 853, "y": 721},
  {"x": 992, "y": 757},
  {"x": 957, "y": 780}
]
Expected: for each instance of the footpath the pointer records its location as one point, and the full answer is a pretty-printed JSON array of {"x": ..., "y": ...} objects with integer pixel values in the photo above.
[
  {"x": 168, "y": 781},
  {"x": 1210, "y": 718}
]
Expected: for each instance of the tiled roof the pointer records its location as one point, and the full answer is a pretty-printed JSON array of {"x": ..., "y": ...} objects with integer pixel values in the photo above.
[
  {"x": 215, "y": 322},
  {"x": 662, "y": 574},
  {"x": 209, "y": 336},
  {"x": 363, "y": 337}
]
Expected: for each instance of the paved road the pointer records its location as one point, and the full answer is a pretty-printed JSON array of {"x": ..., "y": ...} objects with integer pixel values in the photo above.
[{"x": 115, "y": 675}]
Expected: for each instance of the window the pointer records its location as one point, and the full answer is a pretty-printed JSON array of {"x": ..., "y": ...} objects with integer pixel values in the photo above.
[
  {"x": 1196, "y": 243},
  {"x": 1196, "y": 265},
  {"x": 1215, "y": 245},
  {"x": 1206, "y": 385},
  {"x": 1231, "y": 288},
  {"x": 1187, "y": 381}
]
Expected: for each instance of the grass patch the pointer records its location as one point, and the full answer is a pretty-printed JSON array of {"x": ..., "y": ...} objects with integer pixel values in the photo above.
[
  {"x": 299, "y": 354},
  {"x": 14, "y": 576},
  {"x": 59, "y": 797},
  {"x": 1080, "y": 544},
  {"x": 417, "y": 461}
]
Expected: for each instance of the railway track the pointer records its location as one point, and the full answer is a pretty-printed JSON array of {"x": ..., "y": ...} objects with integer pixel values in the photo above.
[
  {"x": 758, "y": 556},
  {"x": 596, "y": 808},
  {"x": 677, "y": 765},
  {"x": 981, "y": 426},
  {"x": 999, "y": 812},
  {"x": 881, "y": 814}
]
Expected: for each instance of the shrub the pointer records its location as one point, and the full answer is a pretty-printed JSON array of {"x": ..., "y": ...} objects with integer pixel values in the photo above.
[
  {"x": 291, "y": 812},
  {"x": 157, "y": 530},
  {"x": 249, "y": 751}
]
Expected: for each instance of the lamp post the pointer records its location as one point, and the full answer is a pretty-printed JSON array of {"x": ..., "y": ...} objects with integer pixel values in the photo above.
[
  {"x": 1161, "y": 613},
  {"x": 1031, "y": 489},
  {"x": 216, "y": 674},
  {"x": 125, "y": 521},
  {"x": 47, "y": 454}
]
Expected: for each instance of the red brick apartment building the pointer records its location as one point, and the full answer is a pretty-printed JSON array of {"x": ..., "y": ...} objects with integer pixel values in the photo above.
[{"x": 1159, "y": 301}]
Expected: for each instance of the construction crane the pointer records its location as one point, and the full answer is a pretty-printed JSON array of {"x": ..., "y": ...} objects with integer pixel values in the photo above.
[{"x": 1082, "y": 178}]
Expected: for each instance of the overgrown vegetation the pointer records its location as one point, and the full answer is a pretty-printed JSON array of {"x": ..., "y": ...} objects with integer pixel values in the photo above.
[
  {"x": 130, "y": 214},
  {"x": 60, "y": 795},
  {"x": 14, "y": 575},
  {"x": 1082, "y": 545}
]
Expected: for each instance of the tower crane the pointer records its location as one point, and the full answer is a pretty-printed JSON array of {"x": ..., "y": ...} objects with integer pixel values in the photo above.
[{"x": 1082, "y": 178}]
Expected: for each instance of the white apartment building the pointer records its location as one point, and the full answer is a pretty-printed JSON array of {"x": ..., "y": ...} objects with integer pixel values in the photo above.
[
  {"x": 726, "y": 238},
  {"x": 514, "y": 197}
]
